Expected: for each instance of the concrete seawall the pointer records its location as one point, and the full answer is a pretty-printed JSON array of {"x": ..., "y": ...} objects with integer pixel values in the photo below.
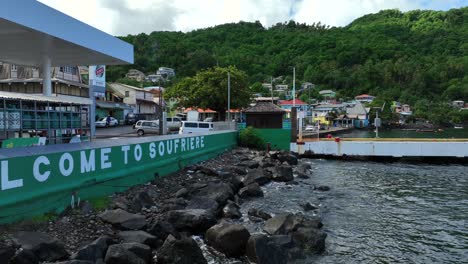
[
  {"x": 37, "y": 180},
  {"x": 391, "y": 148}
]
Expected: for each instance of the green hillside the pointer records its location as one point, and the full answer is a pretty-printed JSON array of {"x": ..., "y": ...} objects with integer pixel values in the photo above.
[{"x": 416, "y": 57}]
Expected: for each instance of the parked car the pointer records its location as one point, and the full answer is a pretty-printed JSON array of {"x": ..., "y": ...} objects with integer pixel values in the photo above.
[
  {"x": 147, "y": 127},
  {"x": 310, "y": 128},
  {"x": 173, "y": 123},
  {"x": 130, "y": 119},
  {"x": 208, "y": 119},
  {"x": 189, "y": 127},
  {"x": 103, "y": 122}
]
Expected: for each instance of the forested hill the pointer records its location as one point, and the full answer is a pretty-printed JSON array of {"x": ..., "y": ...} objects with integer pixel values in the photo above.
[{"x": 412, "y": 56}]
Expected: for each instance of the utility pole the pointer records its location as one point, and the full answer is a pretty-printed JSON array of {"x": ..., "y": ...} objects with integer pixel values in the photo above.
[
  {"x": 229, "y": 97},
  {"x": 294, "y": 86},
  {"x": 271, "y": 89}
]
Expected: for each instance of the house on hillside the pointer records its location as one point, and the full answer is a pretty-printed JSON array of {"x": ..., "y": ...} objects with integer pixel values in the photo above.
[
  {"x": 365, "y": 98},
  {"x": 288, "y": 104},
  {"x": 140, "y": 100},
  {"x": 359, "y": 114},
  {"x": 326, "y": 113},
  {"x": 264, "y": 115},
  {"x": 166, "y": 72},
  {"x": 136, "y": 75}
]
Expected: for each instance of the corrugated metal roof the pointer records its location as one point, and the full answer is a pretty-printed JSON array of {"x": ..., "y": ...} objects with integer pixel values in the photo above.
[
  {"x": 112, "y": 105},
  {"x": 39, "y": 97}
]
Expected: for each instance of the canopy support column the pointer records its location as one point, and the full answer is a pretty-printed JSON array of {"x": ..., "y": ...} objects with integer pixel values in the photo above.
[{"x": 47, "y": 76}]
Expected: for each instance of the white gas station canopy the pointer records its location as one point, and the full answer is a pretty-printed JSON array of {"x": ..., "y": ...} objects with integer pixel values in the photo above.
[{"x": 31, "y": 31}]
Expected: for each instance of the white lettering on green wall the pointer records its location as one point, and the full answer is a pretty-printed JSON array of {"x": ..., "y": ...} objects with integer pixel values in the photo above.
[
  {"x": 6, "y": 183},
  {"x": 152, "y": 149},
  {"x": 125, "y": 150},
  {"x": 36, "y": 169},
  {"x": 105, "y": 163},
  {"x": 169, "y": 147},
  {"x": 89, "y": 164},
  {"x": 176, "y": 145},
  {"x": 137, "y": 153},
  {"x": 202, "y": 144},
  {"x": 66, "y": 157},
  {"x": 161, "y": 149},
  {"x": 183, "y": 144}
]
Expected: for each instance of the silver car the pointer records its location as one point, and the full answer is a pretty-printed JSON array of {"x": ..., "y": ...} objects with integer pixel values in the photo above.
[{"x": 147, "y": 127}]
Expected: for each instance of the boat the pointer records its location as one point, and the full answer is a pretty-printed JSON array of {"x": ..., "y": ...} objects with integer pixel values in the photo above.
[{"x": 458, "y": 127}]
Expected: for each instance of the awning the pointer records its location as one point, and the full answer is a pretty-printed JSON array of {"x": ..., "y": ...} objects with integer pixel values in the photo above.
[
  {"x": 30, "y": 30},
  {"x": 55, "y": 98},
  {"x": 112, "y": 105},
  {"x": 139, "y": 101}
]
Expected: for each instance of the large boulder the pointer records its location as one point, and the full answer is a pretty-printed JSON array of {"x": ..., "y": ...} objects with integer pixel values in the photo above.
[
  {"x": 6, "y": 252},
  {"x": 123, "y": 219},
  {"x": 141, "y": 200},
  {"x": 130, "y": 253},
  {"x": 45, "y": 247},
  {"x": 232, "y": 210},
  {"x": 287, "y": 157},
  {"x": 229, "y": 239},
  {"x": 261, "y": 250},
  {"x": 140, "y": 237},
  {"x": 284, "y": 224},
  {"x": 207, "y": 170},
  {"x": 258, "y": 213},
  {"x": 201, "y": 202},
  {"x": 24, "y": 256},
  {"x": 195, "y": 221},
  {"x": 310, "y": 238},
  {"x": 251, "y": 164},
  {"x": 251, "y": 190},
  {"x": 161, "y": 229},
  {"x": 256, "y": 176},
  {"x": 220, "y": 192},
  {"x": 282, "y": 173},
  {"x": 94, "y": 251},
  {"x": 180, "y": 251}
]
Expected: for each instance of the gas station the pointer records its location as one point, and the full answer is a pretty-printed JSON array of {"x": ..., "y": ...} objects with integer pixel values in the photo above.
[{"x": 35, "y": 35}]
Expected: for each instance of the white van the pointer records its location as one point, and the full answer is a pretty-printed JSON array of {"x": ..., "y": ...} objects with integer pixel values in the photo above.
[{"x": 189, "y": 127}]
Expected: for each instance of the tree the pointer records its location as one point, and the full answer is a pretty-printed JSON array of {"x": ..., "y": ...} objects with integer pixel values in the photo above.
[{"x": 209, "y": 89}]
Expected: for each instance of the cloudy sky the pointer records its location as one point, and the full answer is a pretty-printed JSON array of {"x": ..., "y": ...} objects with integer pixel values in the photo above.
[{"x": 122, "y": 17}]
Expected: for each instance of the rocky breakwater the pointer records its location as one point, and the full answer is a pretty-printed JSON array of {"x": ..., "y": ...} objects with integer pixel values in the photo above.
[{"x": 193, "y": 216}]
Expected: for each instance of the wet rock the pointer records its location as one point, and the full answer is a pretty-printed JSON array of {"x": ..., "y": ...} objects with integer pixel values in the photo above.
[
  {"x": 205, "y": 203},
  {"x": 228, "y": 239},
  {"x": 207, "y": 170},
  {"x": 232, "y": 210},
  {"x": 120, "y": 203},
  {"x": 282, "y": 173},
  {"x": 256, "y": 176},
  {"x": 261, "y": 250},
  {"x": 323, "y": 188},
  {"x": 220, "y": 192},
  {"x": 45, "y": 247},
  {"x": 120, "y": 254},
  {"x": 195, "y": 221},
  {"x": 308, "y": 206},
  {"x": 140, "y": 237},
  {"x": 237, "y": 170},
  {"x": 283, "y": 241},
  {"x": 74, "y": 262},
  {"x": 6, "y": 252},
  {"x": 302, "y": 175},
  {"x": 251, "y": 190},
  {"x": 251, "y": 164},
  {"x": 181, "y": 193},
  {"x": 23, "y": 256},
  {"x": 123, "y": 219},
  {"x": 284, "y": 224},
  {"x": 258, "y": 213},
  {"x": 236, "y": 183},
  {"x": 310, "y": 238},
  {"x": 94, "y": 251},
  {"x": 287, "y": 157},
  {"x": 180, "y": 251}
]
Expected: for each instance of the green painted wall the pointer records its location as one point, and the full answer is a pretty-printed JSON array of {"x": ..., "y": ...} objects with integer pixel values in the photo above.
[
  {"x": 279, "y": 138},
  {"x": 35, "y": 184}
]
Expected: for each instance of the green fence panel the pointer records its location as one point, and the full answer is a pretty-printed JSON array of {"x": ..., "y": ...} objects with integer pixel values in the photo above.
[
  {"x": 279, "y": 139},
  {"x": 37, "y": 180}
]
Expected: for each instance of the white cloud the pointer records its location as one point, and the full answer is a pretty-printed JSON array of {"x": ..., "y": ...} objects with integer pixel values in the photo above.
[
  {"x": 121, "y": 17},
  {"x": 342, "y": 12}
]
